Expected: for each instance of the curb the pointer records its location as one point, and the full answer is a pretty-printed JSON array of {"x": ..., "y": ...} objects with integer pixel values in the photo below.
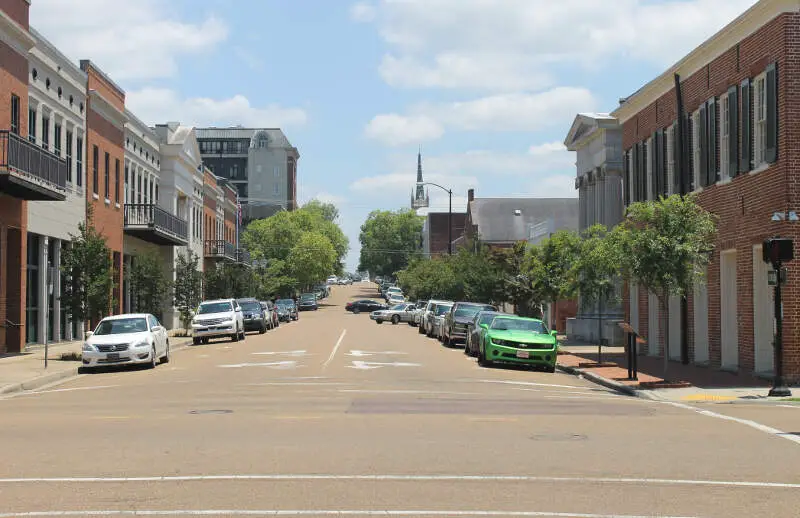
[
  {"x": 48, "y": 379},
  {"x": 600, "y": 380}
]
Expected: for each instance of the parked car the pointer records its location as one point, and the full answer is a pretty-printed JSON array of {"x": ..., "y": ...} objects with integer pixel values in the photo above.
[
  {"x": 418, "y": 312},
  {"x": 437, "y": 321},
  {"x": 255, "y": 316},
  {"x": 476, "y": 329},
  {"x": 393, "y": 291},
  {"x": 458, "y": 319},
  {"x": 332, "y": 280},
  {"x": 426, "y": 320},
  {"x": 395, "y": 299},
  {"x": 217, "y": 318},
  {"x": 519, "y": 340},
  {"x": 129, "y": 339},
  {"x": 364, "y": 306},
  {"x": 287, "y": 310},
  {"x": 308, "y": 302},
  {"x": 395, "y": 314}
]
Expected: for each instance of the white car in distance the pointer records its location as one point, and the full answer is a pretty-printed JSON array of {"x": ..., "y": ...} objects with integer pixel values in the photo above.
[
  {"x": 130, "y": 339},
  {"x": 218, "y": 318}
]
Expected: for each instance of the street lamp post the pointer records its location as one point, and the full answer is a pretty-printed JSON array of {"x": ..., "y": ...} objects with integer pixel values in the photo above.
[{"x": 449, "y": 216}]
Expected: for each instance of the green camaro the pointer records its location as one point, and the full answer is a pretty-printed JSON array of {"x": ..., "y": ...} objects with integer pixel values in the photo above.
[{"x": 518, "y": 340}]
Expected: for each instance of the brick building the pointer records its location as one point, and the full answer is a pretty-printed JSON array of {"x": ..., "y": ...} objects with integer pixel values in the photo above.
[
  {"x": 105, "y": 144},
  {"x": 738, "y": 98},
  {"x": 435, "y": 234}
]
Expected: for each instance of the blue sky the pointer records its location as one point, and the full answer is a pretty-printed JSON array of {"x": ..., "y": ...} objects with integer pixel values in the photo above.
[{"x": 487, "y": 88}]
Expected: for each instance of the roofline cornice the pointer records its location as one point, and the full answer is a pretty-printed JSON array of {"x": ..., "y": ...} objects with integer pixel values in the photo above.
[{"x": 15, "y": 35}]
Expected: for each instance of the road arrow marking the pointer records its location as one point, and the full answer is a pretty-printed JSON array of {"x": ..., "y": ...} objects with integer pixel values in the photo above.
[
  {"x": 358, "y": 364},
  {"x": 371, "y": 353},
  {"x": 289, "y": 364}
]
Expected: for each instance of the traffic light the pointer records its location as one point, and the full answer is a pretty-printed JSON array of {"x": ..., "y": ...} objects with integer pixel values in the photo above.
[{"x": 778, "y": 250}]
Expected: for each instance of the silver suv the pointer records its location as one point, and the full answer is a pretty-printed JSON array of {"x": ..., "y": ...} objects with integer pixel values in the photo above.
[{"x": 217, "y": 318}]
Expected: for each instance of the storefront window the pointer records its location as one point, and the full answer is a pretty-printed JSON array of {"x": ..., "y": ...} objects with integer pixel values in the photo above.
[{"x": 32, "y": 291}]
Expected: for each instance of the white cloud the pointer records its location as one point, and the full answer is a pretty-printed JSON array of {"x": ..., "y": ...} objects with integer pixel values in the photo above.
[
  {"x": 398, "y": 130},
  {"x": 154, "y": 105},
  {"x": 506, "y": 112},
  {"x": 505, "y": 45},
  {"x": 362, "y": 12},
  {"x": 128, "y": 40}
]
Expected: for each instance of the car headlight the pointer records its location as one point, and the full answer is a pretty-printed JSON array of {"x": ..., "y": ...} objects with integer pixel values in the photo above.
[
  {"x": 142, "y": 343},
  {"x": 499, "y": 342},
  {"x": 87, "y": 347}
]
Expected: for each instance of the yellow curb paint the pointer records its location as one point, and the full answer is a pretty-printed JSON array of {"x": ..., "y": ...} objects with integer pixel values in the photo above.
[{"x": 707, "y": 397}]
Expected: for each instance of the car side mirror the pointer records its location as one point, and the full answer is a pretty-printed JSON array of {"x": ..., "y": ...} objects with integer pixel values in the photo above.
[
  {"x": 89, "y": 334},
  {"x": 485, "y": 326},
  {"x": 157, "y": 328},
  {"x": 554, "y": 333}
]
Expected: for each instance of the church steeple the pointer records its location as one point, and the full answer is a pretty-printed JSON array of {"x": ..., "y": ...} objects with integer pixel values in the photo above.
[{"x": 419, "y": 199}]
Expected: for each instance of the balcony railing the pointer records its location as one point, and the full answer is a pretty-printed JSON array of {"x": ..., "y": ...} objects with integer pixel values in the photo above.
[
  {"x": 155, "y": 225},
  {"x": 30, "y": 172},
  {"x": 220, "y": 249},
  {"x": 243, "y": 256}
]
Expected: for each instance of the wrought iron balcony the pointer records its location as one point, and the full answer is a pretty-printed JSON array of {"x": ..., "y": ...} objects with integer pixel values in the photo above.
[
  {"x": 29, "y": 172},
  {"x": 155, "y": 225},
  {"x": 220, "y": 249},
  {"x": 243, "y": 256}
]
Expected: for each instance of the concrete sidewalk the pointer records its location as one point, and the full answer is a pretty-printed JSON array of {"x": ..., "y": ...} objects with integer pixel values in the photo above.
[
  {"x": 686, "y": 383},
  {"x": 26, "y": 371}
]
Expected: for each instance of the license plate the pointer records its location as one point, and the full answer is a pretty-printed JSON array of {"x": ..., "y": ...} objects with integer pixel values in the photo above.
[
  {"x": 523, "y": 354},
  {"x": 112, "y": 356}
]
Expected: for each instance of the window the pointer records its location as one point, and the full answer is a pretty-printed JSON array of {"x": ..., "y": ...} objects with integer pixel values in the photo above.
[
  {"x": 275, "y": 172},
  {"x": 276, "y": 189},
  {"x": 69, "y": 156},
  {"x": 759, "y": 120},
  {"x": 152, "y": 191},
  {"x": 57, "y": 138},
  {"x": 695, "y": 147},
  {"x": 79, "y": 161},
  {"x": 670, "y": 151},
  {"x": 15, "y": 104},
  {"x": 116, "y": 180},
  {"x": 32, "y": 125},
  {"x": 139, "y": 188},
  {"x": 106, "y": 177},
  {"x": 95, "y": 168},
  {"x": 127, "y": 182},
  {"x": 724, "y": 138},
  {"x": 45, "y": 132},
  {"x": 235, "y": 171},
  {"x": 155, "y": 200}
]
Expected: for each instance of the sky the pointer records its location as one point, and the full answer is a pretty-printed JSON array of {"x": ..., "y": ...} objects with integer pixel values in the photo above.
[{"x": 486, "y": 89}]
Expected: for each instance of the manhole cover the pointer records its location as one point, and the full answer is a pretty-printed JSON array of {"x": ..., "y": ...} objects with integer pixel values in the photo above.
[
  {"x": 211, "y": 411},
  {"x": 559, "y": 437}
]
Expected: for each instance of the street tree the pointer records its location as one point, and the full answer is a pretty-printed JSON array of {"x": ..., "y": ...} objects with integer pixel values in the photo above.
[
  {"x": 188, "y": 290},
  {"x": 326, "y": 210},
  {"x": 86, "y": 262},
  {"x": 148, "y": 283},
  {"x": 275, "y": 280},
  {"x": 550, "y": 266},
  {"x": 665, "y": 246},
  {"x": 426, "y": 279},
  {"x": 312, "y": 259},
  {"x": 389, "y": 240},
  {"x": 228, "y": 280},
  {"x": 596, "y": 270}
]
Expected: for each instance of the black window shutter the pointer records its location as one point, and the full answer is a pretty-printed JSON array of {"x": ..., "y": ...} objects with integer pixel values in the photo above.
[
  {"x": 652, "y": 193},
  {"x": 771, "y": 83},
  {"x": 676, "y": 158},
  {"x": 733, "y": 131},
  {"x": 664, "y": 160},
  {"x": 688, "y": 176},
  {"x": 635, "y": 173},
  {"x": 645, "y": 151},
  {"x": 626, "y": 168},
  {"x": 747, "y": 127},
  {"x": 702, "y": 167},
  {"x": 712, "y": 141}
]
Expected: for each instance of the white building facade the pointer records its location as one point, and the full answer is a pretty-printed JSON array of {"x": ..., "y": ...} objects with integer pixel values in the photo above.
[{"x": 57, "y": 122}]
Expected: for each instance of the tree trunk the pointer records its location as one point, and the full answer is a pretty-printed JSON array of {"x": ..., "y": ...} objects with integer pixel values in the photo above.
[{"x": 663, "y": 301}]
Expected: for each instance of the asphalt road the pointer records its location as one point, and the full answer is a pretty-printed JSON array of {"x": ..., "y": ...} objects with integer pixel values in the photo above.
[{"x": 337, "y": 415}]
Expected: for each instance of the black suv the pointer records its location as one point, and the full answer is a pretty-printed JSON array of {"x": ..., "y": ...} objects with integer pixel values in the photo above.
[{"x": 255, "y": 319}]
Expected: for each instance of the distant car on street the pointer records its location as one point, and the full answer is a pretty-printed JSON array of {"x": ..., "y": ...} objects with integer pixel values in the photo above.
[
  {"x": 255, "y": 316},
  {"x": 458, "y": 319},
  {"x": 308, "y": 302},
  {"x": 287, "y": 309},
  {"x": 395, "y": 314},
  {"x": 475, "y": 330},
  {"x": 364, "y": 306},
  {"x": 218, "y": 318}
]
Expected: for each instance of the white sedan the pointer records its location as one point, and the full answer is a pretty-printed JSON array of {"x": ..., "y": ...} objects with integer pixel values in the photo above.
[{"x": 131, "y": 339}]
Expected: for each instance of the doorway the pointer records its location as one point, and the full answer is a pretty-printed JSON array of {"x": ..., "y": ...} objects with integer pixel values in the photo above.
[{"x": 729, "y": 323}]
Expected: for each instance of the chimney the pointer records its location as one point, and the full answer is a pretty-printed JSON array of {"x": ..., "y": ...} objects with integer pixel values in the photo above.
[{"x": 470, "y": 195}]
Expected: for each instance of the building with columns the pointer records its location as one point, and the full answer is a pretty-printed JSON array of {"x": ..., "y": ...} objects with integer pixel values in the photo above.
[
  {"x": 596, "y": 139},
  {"x": 57, "y": 123}
]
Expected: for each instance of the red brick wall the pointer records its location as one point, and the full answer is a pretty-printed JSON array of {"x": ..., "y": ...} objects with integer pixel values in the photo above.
[
  {"x": 745, "y": 205},
  {"x": 17, "y": 10},
  {"x": 438, "y": 230},
  {"x": 563, "y": 310}
]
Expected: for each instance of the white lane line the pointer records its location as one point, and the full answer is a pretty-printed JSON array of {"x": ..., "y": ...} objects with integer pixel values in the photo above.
[
  {"x": 69, "y": 389},
  {"x": 758, "y": 426},
  {"x": 413, "y": 478},
  {"x": 790, "y": 406},
  {"x": 335, "y": 349},
  {"x": 376, "y": 391},
  {"x": 288, "y": 364},
  {"x": 297, "y": 384},
  {"x": 287, "y": 353},
  {"x": 528, "y": 383},
  {"x": 325, "y": 512}
]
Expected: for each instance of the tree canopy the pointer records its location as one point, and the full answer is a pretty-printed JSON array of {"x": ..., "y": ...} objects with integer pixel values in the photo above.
[{"x": 389, "y": 241}]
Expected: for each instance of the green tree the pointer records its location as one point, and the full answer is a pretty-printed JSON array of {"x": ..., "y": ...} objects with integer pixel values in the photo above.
[
  {"x": 276, "y": 281},
  {"x": 188, "y": 290},
  {"x": 596, "y": 269},
  {"x": 87, "y": 294},
  {"x": 426, "y": 279},
  {"x": 149, "y": 284},
  {"x": 327, "y": 211},
  {"x": 227, "y": 281},
  {"x": 312, "y": 259},
  {"x": 550, "y": 266},
  {"x": 389, "y": 240},
  {"x": 665, "y": 246}
]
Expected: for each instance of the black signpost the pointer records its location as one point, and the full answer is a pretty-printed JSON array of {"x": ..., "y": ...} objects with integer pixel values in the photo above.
[{"x": 777, "y": 250}]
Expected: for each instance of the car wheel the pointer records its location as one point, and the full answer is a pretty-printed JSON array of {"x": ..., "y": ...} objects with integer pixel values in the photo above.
[
  {"x": 421, "y": 330},
  {"x": 550, "y": 368},
  {"x": 356, "y": 311},
  {"x": 379, "y": 321},
  {"x": 165, "y": 359},
  {"x": 205, "y": 341},
  {"x": 395, "y": 319},
  {"x": 263, "y": 329},
  {"x": 244, "y": 334},
  {"x": 235, "y": 335},
  {"x": 153, "y": 358},
  {"x": 195, "y": 341},
  {"x": 466, "y": 347},
  {"x": 482, "y": 360}
]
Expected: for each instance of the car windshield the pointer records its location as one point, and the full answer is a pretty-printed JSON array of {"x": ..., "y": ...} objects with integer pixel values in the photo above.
[
  {"x": 399, "y": 307},
  {"x": 468, "y": 311},
  {"x": 441, "y": 310},
  {"x": 214, "y": 307},
  {"x": 285, "y": 302},
  {"x": 121, "y": 326},
  {"x": 518, "y": 324},
  {"x": 486, "y": 318},
  {"x": 251, "y": 306},
  {"x": 307, "y": 296}
]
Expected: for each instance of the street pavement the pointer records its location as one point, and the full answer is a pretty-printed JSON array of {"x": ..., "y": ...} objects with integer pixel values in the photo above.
[{"x": 335, "y": 415}]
